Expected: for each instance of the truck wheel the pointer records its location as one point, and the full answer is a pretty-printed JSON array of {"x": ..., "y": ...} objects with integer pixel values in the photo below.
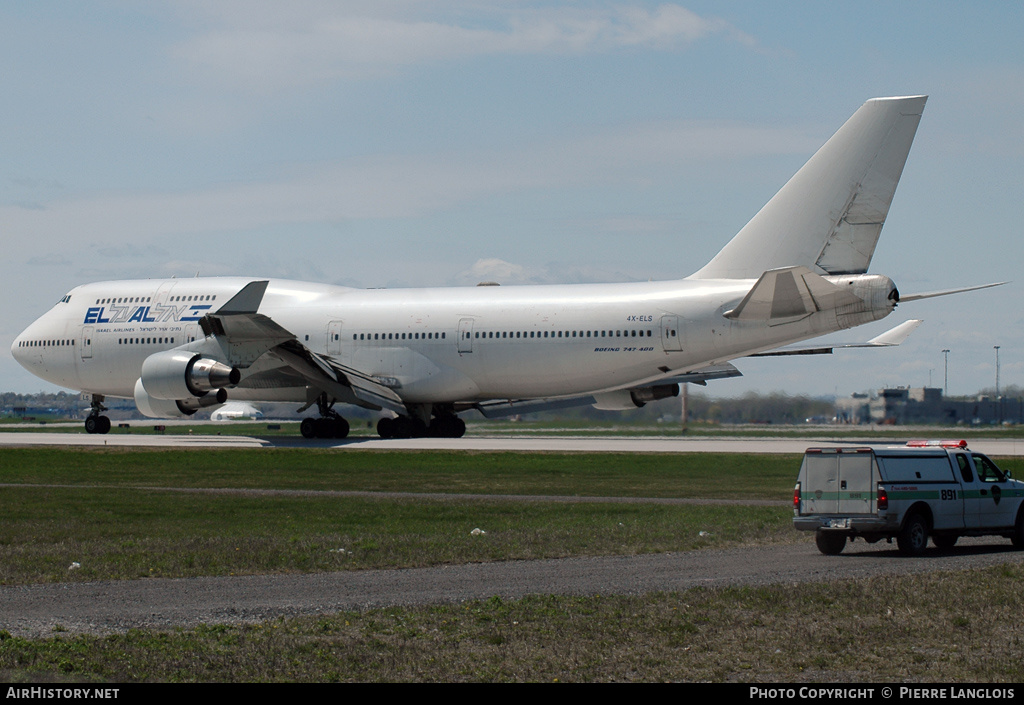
[
  {"x": 829, "y": 542},
  {"x": 1018, "y": 531},
  {"x": 913, "y": 537},
  {"x": 945, "y": 542}
]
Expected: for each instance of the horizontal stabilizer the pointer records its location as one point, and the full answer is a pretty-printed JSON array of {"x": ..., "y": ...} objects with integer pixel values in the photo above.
[
  {"x": 890, "y": 338},
  {"x": 788, "y": 294},
  {"x": 893, "y": 336},
  {"x": 946, "y": 292}
]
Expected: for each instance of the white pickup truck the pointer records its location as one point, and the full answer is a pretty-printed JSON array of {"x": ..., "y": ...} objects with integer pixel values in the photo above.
[{"x": 923, "y": 489}]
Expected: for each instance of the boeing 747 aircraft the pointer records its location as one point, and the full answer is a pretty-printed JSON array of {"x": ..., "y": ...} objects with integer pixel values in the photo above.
[{"x": 796, "y": 271}]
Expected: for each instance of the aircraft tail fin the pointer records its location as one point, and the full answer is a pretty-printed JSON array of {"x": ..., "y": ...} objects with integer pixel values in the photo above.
[{"x": 829, "y": 215}]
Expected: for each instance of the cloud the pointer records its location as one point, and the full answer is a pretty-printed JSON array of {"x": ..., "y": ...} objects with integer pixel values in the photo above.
[
  {"x": 493, "y": 270},
  {"x": 258, "y": 48}
]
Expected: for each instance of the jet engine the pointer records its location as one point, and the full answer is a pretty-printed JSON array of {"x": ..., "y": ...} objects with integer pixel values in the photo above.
[
  {"x": 625, "y": 399},
  {"x": 174, "y": 408},
  {"x": 180, "y": 374}
]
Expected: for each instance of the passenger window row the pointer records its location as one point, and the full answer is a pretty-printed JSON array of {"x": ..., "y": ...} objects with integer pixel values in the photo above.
[
  {"x": 45, "y": 343},
  {"x": 490, "y": 335},
  {"x": 148, "y": 299},
  {"x": 396, "y": 336},
  {"x": 563, "y": 334},
  {"x": 145, "y": 341}
]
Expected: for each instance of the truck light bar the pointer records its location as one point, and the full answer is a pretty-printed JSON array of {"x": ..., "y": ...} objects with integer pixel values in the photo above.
[{"x": 940, "y": 444}]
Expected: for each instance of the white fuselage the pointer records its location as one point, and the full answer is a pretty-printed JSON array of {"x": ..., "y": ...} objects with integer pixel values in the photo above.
[{"x": 431, "y": 345}]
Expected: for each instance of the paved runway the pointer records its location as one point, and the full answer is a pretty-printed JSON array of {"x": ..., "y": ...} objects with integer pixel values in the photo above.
[{"x": 514, "y": 443}]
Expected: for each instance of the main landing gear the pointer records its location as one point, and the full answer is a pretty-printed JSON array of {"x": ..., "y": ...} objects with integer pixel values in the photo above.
[
  {"x": 95, "y": 422},
  {"x": 330, "y": 424},
  {"x": 442, "y": 426}
]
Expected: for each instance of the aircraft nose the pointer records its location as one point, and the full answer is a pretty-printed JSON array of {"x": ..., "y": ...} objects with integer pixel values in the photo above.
[
  {"x": 18, "y": 353},
  {"x": 19, "y": 350}
]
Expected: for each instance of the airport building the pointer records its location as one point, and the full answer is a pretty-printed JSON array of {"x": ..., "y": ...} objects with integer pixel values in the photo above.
[{"x": 924, "y": 405}]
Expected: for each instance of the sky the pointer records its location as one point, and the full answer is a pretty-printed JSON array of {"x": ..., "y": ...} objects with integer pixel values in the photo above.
[{"x": 420, "y": 143}]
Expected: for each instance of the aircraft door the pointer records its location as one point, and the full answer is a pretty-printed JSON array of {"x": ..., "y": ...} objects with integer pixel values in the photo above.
[
  {"x": 671, "y": 334},
  {"x": 161, "y": 297},
  {"x": 85, "y": 344},
  {"x": 466, "y": 335},
  {"x": 334, "y": 338},
  {"x": 995, "y": 510}
]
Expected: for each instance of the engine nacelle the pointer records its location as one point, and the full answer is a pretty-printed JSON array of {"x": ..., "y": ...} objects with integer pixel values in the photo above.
[
  {"x": 174, "y": 408},
  {"x": 625, "y": 399},
  {"x": 179, "y": 374}
]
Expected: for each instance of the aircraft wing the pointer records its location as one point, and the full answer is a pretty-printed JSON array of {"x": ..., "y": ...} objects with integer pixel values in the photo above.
[
  {"x": 245, "y": 336},
  {"x": 509, "y": 407},
  {"x": 890, "y": 338}
]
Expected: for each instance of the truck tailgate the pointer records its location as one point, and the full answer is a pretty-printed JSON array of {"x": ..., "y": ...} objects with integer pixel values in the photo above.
[{"x": 838, "y": 483}]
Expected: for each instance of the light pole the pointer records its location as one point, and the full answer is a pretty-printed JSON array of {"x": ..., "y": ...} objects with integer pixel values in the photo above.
[
  {"x": 945, "y": 374},
  {"x": 997, "y": 370},
  {"x": 999, "y": 402}
]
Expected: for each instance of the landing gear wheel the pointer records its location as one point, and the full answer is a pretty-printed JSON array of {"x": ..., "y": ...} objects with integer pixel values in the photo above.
[
  {"x": 330, "y": 424},
  {"x": 913, "y": 537},
  {"x": 448, "y": 426},
  {"x": 95, "y": 423},
  {"x": 829, "y": 542},
  {"x": 341, "y": 427},
  {"x": 406, "y": 427},
  {"x": 1018, "y": 531},
  {"x": 308, "y": 427},
  {"x": 325, "y": 427},
  {"x": 401, "y": 427},
  {"x": 386, "y": 427}
]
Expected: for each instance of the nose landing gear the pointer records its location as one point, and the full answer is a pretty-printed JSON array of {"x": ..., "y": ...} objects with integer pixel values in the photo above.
[{"x": 95, "y": 422}]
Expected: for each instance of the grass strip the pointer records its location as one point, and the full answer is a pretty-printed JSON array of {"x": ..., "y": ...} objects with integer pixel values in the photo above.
[
  {"x": 722, "y": 475},
  {"x": 125, "y": 533},
  {"x": 935, "y": 628}
]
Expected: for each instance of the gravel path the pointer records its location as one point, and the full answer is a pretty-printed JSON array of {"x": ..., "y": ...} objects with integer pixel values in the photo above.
[{"x": 105, "y": 607}]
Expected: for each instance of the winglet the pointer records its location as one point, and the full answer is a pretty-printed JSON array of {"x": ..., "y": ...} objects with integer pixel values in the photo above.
[{"x": 247, "y": 300}]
